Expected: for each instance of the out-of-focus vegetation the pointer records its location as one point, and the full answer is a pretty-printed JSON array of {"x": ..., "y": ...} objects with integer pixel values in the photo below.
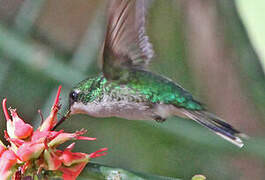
[
  {"x": 203, "y": 45},
  {"x": 252, "y": 14}
]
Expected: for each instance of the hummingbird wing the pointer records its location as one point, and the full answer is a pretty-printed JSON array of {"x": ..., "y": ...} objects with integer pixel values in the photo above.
[{"x": 126, "y": 43}]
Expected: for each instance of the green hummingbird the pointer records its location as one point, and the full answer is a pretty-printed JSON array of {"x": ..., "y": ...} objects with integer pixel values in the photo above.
[{"x": 126, "y": 88}]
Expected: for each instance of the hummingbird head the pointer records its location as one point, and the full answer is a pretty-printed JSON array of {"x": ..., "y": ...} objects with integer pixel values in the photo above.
[{"x": 85, "y": 93}]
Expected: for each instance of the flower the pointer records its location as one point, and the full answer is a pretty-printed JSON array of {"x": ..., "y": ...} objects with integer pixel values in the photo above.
[{"x": 33, "y": 151}]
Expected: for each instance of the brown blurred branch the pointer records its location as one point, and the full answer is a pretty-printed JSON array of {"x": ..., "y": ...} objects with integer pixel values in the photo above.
[{"x": 211, "y": 59}]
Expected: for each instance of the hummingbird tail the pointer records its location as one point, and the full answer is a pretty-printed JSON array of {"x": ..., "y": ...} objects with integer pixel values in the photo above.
[{"x": 217, "y": 125}]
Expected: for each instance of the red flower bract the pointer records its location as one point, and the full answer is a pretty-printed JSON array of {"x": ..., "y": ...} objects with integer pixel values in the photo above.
[
  {"x": 31, "y": 151},
  {"x": 8, "y": 160}
]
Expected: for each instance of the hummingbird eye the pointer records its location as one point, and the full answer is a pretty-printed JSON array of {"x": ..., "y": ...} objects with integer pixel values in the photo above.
[{"x": 73, "y": 96}]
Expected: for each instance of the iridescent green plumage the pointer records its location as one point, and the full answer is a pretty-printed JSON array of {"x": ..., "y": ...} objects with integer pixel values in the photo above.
[
  {"x": 91, "y": 89},
  {"x": 158, "y": 89},
  {"x": 153, "y": 88}
]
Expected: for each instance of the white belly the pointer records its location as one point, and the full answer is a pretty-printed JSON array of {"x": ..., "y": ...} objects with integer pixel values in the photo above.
[{"x": 122, "y": 109}]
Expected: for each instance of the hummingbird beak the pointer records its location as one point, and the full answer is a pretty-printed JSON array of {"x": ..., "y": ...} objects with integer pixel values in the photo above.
[{"x": 66, "y": 116}]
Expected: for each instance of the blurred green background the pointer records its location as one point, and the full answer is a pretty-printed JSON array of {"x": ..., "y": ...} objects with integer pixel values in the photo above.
[{"x": 213, "y": 48}]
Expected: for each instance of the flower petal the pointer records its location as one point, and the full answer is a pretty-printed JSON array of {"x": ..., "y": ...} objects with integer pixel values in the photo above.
[
  {"x": 39, "y": 136},
  {"x": 98, "y": 153},
  {"x": 7, "y": 161},
  {"x": 2, "y": 148},
  {"x": 13, "y": 141},
  {"x": 5, "y": 110},
  {"x": 70, "y": 147},
  {"x": 63, "y": 137},
  {"x": 9, "y": 123},
  {"x": 71, "y": 173},
  {"x": 22, "y": 130},
  {"x": 52, "y": 160},
  {"x": 69, "y": 158},
  {"x": 51, "y": 120}
]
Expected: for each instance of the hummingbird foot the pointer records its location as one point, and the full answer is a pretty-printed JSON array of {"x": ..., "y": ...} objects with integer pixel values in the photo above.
[{"x": 159, "y": 119}]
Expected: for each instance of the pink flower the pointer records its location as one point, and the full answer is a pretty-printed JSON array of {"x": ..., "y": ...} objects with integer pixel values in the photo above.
[{"x": 30, "y": 148}]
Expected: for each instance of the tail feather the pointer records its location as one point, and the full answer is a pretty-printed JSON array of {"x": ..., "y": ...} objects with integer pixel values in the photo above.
[{"x": 217, "y": 125}]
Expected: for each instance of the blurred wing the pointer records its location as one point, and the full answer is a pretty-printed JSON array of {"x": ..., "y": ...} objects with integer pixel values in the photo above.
[{"x": 126, "y": 43}]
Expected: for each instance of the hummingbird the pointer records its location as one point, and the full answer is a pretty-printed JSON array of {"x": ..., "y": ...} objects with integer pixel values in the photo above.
[{"x": 127, "y": 89}]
